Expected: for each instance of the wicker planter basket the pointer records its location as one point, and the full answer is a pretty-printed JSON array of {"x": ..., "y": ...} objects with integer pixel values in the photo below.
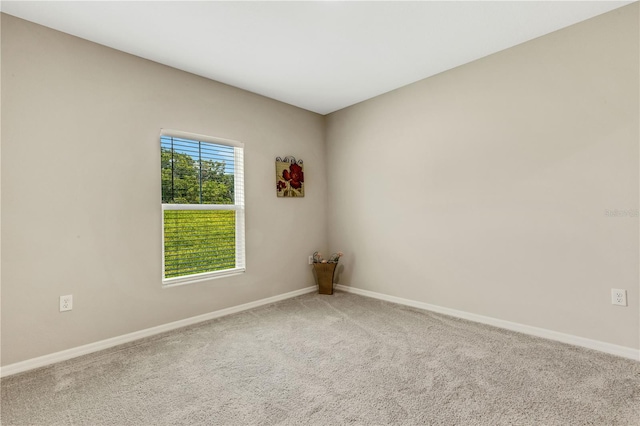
[{"x": 324, "y": 276}]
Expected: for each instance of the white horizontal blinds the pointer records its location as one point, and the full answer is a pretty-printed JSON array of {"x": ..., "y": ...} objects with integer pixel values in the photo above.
[
  {"x": 203, "y": 207},
  {"x": 239, "y": 202}
]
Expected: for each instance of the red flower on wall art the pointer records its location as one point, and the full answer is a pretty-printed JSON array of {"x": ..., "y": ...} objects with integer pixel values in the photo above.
[
  {"x": 289, "y": 177},
  {"x": 295, "y": 176}
]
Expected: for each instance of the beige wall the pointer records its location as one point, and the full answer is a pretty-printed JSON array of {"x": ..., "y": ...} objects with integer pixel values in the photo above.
[
  {"x": 0, "y": 192},
  {"x": 484, "y": 188},
  {"x": 81, "y": 190}
]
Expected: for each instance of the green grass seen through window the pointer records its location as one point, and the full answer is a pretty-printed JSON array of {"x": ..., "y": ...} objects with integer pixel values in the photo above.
[{"x": 197, "y": 241}]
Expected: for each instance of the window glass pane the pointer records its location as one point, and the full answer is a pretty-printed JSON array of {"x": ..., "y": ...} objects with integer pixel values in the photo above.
[
  {"x": 198, "y": 241},
  {"x": 196, "y": 172}
]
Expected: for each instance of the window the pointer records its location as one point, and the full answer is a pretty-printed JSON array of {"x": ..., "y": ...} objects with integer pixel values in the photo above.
[{"x": 202, "y": 207}]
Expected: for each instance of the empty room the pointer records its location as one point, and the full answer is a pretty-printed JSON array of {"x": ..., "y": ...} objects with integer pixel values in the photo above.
[{"x": 322, "y": 212}]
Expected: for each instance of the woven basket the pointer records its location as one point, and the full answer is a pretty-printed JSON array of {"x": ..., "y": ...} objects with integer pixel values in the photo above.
[{"x": 324, "y": 276}]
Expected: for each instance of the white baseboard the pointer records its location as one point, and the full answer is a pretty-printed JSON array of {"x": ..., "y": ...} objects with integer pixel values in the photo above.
[
  {"x": 45, "y": 360},
  {"x": 609, "y": 348}
]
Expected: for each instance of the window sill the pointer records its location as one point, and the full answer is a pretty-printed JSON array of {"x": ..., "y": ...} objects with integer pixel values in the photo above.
[{"x": 196, "y": 278}]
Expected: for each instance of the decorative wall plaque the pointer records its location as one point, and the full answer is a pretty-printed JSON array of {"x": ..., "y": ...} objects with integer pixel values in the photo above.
[{"x": 289, "y": 177}]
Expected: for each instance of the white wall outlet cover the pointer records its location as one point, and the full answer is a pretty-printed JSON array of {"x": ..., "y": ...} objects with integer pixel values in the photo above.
[
  {"x": 66, "y": 303},
  {"x": 618, "y": 297},
  {"x": 310, "y": 260}
]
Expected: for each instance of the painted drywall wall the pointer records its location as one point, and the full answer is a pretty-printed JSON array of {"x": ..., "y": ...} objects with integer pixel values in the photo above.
[
  {"x": 0, "y": 193},
  {"x": 507, "y": 187},
  {"x": 81, "y": 190}
]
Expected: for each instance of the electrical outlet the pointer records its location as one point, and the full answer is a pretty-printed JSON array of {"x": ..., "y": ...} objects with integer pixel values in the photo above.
[
  {"x": 310, "y": 260},
  {"x": 66, "y": 303},
  {"x": 618, "y": 297}
]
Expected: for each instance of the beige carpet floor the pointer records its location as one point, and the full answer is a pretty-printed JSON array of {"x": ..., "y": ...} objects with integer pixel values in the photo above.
[{"x": 331, "y": 360}]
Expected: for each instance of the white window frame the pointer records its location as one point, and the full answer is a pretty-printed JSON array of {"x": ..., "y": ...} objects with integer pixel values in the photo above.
[{"x": 238, "y": 207}]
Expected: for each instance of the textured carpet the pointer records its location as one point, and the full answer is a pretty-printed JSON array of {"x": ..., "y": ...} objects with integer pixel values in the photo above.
[{"x": 341, "y": 359}]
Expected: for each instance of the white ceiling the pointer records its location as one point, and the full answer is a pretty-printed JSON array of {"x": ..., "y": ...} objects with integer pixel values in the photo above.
[{"x": 317, "y": 55}]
